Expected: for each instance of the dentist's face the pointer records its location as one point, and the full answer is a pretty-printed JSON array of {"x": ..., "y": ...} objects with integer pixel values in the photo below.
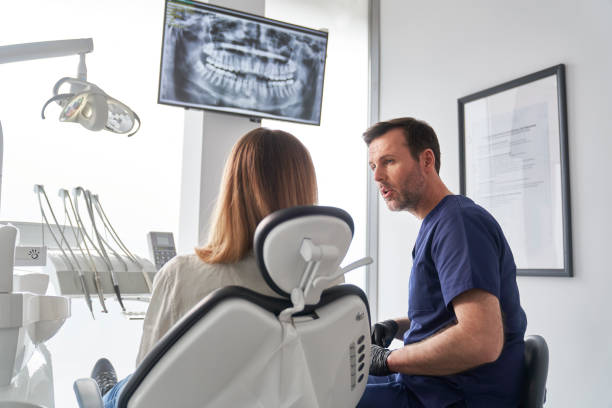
[{"x": 399, "y": 176}]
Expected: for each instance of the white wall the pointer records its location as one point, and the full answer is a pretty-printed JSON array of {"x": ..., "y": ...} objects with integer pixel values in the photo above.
[{"x": 435, "y": 52}]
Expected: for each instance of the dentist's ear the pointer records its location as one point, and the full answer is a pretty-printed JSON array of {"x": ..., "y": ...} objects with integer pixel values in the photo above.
[{"x": 428, "y": 158}]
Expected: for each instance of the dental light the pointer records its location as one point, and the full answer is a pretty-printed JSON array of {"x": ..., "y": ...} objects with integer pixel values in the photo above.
[
  {"x": 88, "y": 105},
  {"x": 84, "y": 103}
]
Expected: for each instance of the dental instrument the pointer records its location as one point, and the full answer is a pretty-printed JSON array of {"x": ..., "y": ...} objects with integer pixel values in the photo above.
[
  {"x": 76, "y": 191},
  {"x": 103, "y": 243},
  {"x": 108, "y": 226},
  {"x": 63, "y": 193},
  {"x": 103, "y": 254},
  {"x": 39, "y": 189}
]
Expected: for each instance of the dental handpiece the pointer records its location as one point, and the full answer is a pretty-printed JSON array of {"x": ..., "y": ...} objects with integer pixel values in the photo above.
[
  {"x": 110, "y": 248},
  {"x": 101, "y": 252},
  {"x": 76, "y": 191},
  {"x": 96, "y": 274},
  {"x": 115, "y": 236},
  {"x": 38, "y": 189},
  {"x": 113, "y": 275}
]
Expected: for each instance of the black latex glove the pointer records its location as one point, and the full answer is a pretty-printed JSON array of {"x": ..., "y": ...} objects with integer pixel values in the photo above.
[
  {"x": 378, "y": 366},
  {"x": 384, "y": 332}
]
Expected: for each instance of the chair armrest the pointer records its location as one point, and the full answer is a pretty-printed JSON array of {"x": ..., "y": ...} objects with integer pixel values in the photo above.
[{"x": 87, "y": 393}]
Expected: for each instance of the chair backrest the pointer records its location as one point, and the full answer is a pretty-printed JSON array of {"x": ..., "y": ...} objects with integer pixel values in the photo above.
[
  {"x": 328, "y": 231},
  {"x": 536, "y": 372},
  {"x": 235, "y": 349}
]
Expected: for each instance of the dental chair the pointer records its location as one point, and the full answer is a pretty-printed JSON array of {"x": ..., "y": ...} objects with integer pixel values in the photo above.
[{"x": 237, "y": 348}]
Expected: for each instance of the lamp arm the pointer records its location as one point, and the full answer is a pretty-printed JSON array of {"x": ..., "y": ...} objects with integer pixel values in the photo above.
[
  {"x": 82, "y": 69},
  {"x": 44, "y": 49}
]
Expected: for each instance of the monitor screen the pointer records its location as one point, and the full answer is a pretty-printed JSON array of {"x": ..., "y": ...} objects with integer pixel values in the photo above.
[{"x": 225, "y": 60}]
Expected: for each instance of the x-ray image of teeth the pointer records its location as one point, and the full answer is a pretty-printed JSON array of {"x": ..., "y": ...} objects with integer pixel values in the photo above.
[{"x": 212, "y": 60}]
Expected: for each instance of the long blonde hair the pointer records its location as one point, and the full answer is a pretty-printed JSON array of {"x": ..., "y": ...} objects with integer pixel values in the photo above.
[{"x": 267, "y": 170}]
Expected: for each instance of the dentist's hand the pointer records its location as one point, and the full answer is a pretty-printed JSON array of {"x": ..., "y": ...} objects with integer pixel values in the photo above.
[
  {"x": 384, "y": 332},
  {"x": 378, "y": 365}
]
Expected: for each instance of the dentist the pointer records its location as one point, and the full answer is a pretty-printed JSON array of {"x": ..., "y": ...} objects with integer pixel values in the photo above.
[{"x": 463, "y": 336}]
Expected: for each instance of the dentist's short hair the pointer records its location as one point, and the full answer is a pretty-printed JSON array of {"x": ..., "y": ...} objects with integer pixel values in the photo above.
[
  {"x": 419, "y": 136},
  {"x": 266, "y": 171}
]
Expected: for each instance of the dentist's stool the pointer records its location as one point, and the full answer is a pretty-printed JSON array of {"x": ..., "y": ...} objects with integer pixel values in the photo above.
[
  {"x": 237, "y": 348},
  {"x": 536, "y": 372}
]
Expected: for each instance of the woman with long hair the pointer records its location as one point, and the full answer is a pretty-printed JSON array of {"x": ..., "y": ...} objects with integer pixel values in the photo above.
[{"x": 267, "y": 170}]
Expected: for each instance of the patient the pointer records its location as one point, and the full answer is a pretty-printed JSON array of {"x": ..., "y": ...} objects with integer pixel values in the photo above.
[{"x": 267, "y": 170}]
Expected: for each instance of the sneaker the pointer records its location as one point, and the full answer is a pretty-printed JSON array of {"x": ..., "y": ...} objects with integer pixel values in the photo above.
[{"x": 104, "y": 375}]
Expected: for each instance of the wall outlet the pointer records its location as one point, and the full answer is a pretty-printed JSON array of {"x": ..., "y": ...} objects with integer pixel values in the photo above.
[{"x": 30, "y": 256}]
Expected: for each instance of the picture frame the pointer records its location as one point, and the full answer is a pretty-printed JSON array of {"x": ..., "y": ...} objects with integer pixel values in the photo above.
[{"x": 513, "y": 148}]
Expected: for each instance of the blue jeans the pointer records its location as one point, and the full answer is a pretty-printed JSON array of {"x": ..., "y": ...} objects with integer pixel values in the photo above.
[
  {"x": 391, "y": 391},
  {"x": 111, "y": 398},
  {"x": 387, "y": 391}
]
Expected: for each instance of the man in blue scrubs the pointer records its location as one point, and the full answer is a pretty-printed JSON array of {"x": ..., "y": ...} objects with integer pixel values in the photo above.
[{"x": 463, "y": 337}]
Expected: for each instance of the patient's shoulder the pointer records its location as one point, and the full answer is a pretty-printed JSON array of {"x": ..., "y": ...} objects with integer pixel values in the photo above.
[
  {"x": 174, "y": 266},
  {"x": 182, "y": 266},
  {"x": 184, "y": 261}
]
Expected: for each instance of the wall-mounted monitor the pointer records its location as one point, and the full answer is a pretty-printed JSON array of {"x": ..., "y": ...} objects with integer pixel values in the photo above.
[{"x": 225, "y": 60}]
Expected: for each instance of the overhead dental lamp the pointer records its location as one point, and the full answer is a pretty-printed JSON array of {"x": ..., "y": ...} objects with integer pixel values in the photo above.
[{"x": 84, "y": 102}]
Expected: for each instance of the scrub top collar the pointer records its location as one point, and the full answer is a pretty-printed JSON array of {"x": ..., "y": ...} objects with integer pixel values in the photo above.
[{"x": 437, "y": 208}]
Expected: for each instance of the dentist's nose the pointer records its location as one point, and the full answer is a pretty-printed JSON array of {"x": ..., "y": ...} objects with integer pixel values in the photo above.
[{"x": 379, "y": 174}]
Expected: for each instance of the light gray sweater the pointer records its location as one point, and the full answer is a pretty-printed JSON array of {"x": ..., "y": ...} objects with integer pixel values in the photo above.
[{"x": 183, "y": 282}]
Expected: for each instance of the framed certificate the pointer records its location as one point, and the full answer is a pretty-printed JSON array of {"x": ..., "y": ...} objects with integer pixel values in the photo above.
[{"x": 514, "y": 162}]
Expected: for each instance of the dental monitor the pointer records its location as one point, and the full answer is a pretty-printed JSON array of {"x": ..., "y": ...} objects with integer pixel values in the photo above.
[{"x": 225, "y": 60}]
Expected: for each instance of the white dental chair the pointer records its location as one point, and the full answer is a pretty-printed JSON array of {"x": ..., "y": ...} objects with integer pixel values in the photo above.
[{"x": 238, "y": 348}]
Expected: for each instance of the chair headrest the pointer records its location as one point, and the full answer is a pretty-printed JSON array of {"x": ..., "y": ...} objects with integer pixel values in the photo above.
[{"x": 280, "y": 236}]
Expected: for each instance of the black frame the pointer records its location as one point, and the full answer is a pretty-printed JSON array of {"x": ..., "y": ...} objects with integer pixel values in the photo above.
[
  {"x": 559, "y": 72},
  {"x": 255, "y": 116}
]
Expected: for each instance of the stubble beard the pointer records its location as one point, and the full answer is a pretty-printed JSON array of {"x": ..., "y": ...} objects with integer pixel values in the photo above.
[{"x": 410, "y": 195}]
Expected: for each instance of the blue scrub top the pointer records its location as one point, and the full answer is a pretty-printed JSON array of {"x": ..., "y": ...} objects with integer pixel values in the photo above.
[{"x": 460, "y": 247}]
